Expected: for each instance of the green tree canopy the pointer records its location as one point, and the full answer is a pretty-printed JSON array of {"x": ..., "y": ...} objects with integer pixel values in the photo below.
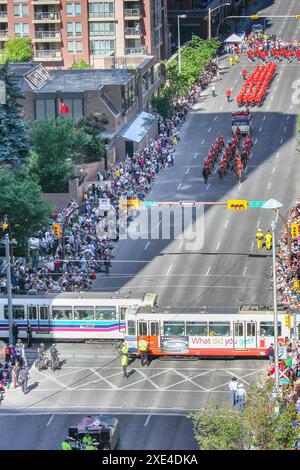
[
  {"x": 21, "y": 202},
  {"x": 56, "y": 143},
  {"x": 162, "y": 104},
  {"x": 93, "y": 125},
  {"x": 80, "y": 65},
  {"x": 14, "y": 132},
  {"x": 17, "y": 50}
]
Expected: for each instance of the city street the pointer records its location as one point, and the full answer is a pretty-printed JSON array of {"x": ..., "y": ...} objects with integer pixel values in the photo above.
[{"x": 227, "y": 270}]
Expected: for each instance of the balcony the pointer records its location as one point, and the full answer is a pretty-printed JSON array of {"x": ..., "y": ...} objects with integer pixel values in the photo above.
[
  {"x": 46, "y": 17},
  {"x": 3, "y": 16},
  {"x": 132, "y": 13},
  {"x": 135, "y": 31},
  {"x": 3, "y": 35},
  {"x": 49, "y": 55},
  {"x": 47, "y": 36},
  {"x": 141, "y": 50},
  {"x": 45, "y": 2}
]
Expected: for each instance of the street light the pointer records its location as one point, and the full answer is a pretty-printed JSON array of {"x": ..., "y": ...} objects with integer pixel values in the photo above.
[
  {"x": 210, "y": 10},
  {"x": 274, "y": 205},
  {"x": 178, "y": 37}
]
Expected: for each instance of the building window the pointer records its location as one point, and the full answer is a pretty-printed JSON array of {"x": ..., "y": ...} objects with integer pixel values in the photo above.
[
  {"x": 44, "y": 108},
  {"x": 102, "y": 29},
  {"x": 128, "y": 93},
  {"x": 75, "y": 106},
  {"x": 104, "y": 47},
  {"x": 21, "y": 10},
  {"x": 73, "y": 9},
  {"x": 102, "y": 10},
  {"x": 74, "y": 47},
  {"x": 21, "y": 29},
  {"x": 74, "y": 30}
]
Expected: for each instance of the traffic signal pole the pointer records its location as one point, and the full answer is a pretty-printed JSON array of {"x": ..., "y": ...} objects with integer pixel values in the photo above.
[
  {"x": 8, "y": 287},
  {"x": 276, "y": 355}
]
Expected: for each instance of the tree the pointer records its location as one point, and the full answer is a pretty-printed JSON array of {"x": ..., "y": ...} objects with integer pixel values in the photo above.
[
  {"x": 14, "y": 132},
  {"x": 80, "y": 65},
  {"x": 162, "y": 104},
  {"x": 21, "y": 202},
  {"x": 55, "y": 142},
  {"x": 218, "y": 428},
  {"x": 93, "y": 125},
  {"x": 17, "y": 50}
]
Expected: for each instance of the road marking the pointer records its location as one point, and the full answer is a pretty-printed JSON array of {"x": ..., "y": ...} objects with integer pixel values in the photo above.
[
  {"x": 226, "y": 223},
  {"x": 209, "y": 129},
  {"x": 264, "y": 118},
  {"x": 252, "y": 246},
  {"x": 240, "y": 185},
  {"x": 147, "y": 421},
  {"x": 272, "y": 97},
  {"x": 179, "y": 185},
  {"x": 181, "y": 243},
  {"x": 291, "y": 106},
  {"x": 49, "y": 421},
  {"x": 169, "y": 269},
  {"x": 195, "y": 156},
  {"x": 208, "y": 271},
  {"x": 246, "y": 170},
  {"x": 269, "y": 185},
  {"x": 281, "y": 140},
  {"x": 260, "y": 129},
  {"x": 187, "y": 171},
  {"x": 221, "y": 107},
  {"x": 287, "y": 118},
  {"x": 147, "y": 244},
  {"x": 216, "y": 117},
  {"x": 284, "y": 129},
  {"x": 218, "y": 246},
  {"x": 208, "y": 186},
  {"x": 158, "y": 224},
  {"x": 277, "y": 154},
  {"x": 273, "y": 169},
  {"x": 202, "y": 141},
  {"x": 244, "y": 272},
  {"x": 258, "y": 223},
  {"x": 255, "y": 141}
]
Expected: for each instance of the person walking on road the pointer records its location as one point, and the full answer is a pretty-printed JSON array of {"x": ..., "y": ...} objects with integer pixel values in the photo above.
[
  {"x": 23, "y": 378},
  {"x": 15, "y": 332},
  {"x": 213, "y": 90},
  {"x": 16, "y": 371},
  {"x": 268, "y": 240},
  {"x": 233, "y": 389},
  {"x": 244, "y": 73},
  {"x": 259, "y": 239},
  {"x": 124, "y": 364},
  {"x": 228, "y": 94},
  {"x": 240, "y": 397},
  {"x": 143, "y": 348},
  {"x": 29, "y": 335},
  {"x": 271, "y": 353},
  {"x": 230, "y": 61}
]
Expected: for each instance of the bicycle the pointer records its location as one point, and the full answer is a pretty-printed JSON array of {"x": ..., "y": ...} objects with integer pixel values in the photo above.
[{"x": 42, "y": 363}]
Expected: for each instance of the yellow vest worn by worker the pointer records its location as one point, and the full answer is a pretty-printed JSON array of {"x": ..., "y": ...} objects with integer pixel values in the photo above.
[
  {"x": 124, "y": 348},
  {"x": 142, "y": 345},
  {"x": 90, "y": 447},
  {"x": 66, "y": 446},
  {"x": 268, "y": 238},
  {"x": 259, "y": 239},
  {"x": 230, "y": 60},
  {"x": 124, "y": 360}
]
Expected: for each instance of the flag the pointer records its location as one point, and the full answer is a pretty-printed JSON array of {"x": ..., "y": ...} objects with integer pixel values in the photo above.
[{"x": 63, "y": 108}]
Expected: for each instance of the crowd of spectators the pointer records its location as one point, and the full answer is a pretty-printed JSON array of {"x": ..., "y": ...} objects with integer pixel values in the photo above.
[
  {"x": 288, "y": 273},
  {"x": 12, "y": 367},
  {"x": 89, "y": 233}
]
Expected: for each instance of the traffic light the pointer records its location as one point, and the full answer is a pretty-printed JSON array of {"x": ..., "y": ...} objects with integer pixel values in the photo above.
[
  {"x": 56, "y": 230},
  {"x": 288, "y": 321},
  {"x": 297, "y": 286},
  {"x": 254, "y": 17},
  {"x": 237, "y": 204},
  {"x": 295, "y": 230}
]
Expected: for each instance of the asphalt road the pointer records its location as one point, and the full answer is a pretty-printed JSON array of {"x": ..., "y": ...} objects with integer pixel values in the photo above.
[{"x": 227, "y": 270}]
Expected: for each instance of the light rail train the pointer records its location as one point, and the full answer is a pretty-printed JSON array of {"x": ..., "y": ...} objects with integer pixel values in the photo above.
[
  {"x": 72, "y": 316},
  {"x": 204, "y": 332}
]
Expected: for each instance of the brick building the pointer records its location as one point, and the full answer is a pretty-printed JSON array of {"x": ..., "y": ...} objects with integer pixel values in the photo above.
[{"x": 99, "y": 32}]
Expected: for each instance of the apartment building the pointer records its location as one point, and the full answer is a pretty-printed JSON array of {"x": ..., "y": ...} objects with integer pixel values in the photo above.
[{"x": 99, "y": 32}]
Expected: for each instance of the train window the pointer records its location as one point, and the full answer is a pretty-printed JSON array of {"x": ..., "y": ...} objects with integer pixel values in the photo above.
[
  {"x": 219, "y": 328},
  {"x": 154, "y": 328},
  {"x": 108, "y": 313},
  {"x": 131, "y": 330},
  {"x": 62, "y": 313},
  {"x": 44, "y": 313},
  {"x": 251, "y": 329},
  {"x": 267, "y": 328},
  {"x": 143, "y": 330},
  {"x": 122, "y": 313},
  {"x": 17, "y": 310},
  {"x": 194, "y": 328},
  {"x": 83, "y": 313},
  {"x": 32, "y": 312},
  {"x": 174, "y": 328},
  {"x": 239, "y": 329}
]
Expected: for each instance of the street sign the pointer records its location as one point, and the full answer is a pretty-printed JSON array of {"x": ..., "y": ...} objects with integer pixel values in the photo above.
[
  {"x": 295, "y": 230},
  {"x": 149, "y": 203},
  {"x": 104, "y": 204},
  {"x": 237, "y": 204},
  {"x": 256, "y": 203}
]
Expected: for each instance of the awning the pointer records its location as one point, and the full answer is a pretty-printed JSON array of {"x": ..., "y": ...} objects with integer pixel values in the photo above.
[
  {"x": 139, "y": 127},
  {"x": 234, "y": 38}
]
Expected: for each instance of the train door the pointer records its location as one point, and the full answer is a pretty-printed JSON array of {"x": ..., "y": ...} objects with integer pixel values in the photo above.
[
  {"x": 43, "y": 320},
  {"x": 32, "y": 316},
  {"x": 143, "y": 330},
  {"x": 251, "y": 335},
  {"x": 244, "y": 335},
  {"x": 154, "y": 342}
]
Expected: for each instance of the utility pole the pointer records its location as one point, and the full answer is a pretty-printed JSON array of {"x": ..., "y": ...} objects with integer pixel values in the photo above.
[
  {"x": 276, "y": 356},
  {"x": 8, "y": 287},
  {"x": 209, "y": 23}
]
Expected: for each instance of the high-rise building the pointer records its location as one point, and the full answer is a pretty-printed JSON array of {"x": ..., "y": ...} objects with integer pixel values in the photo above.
[{"x": 99, "y": 32}]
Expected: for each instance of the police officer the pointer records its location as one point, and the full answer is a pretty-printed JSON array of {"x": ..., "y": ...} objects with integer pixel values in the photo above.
[
  {"x": 143, "y": 347},
  {"x": 259, "y": 239},
  {"x": 123, "y": 348},
  {"x": 54, "y": 355},
  {"x": 268, "y": 240},
  {"x": 65, "y": 445}
]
